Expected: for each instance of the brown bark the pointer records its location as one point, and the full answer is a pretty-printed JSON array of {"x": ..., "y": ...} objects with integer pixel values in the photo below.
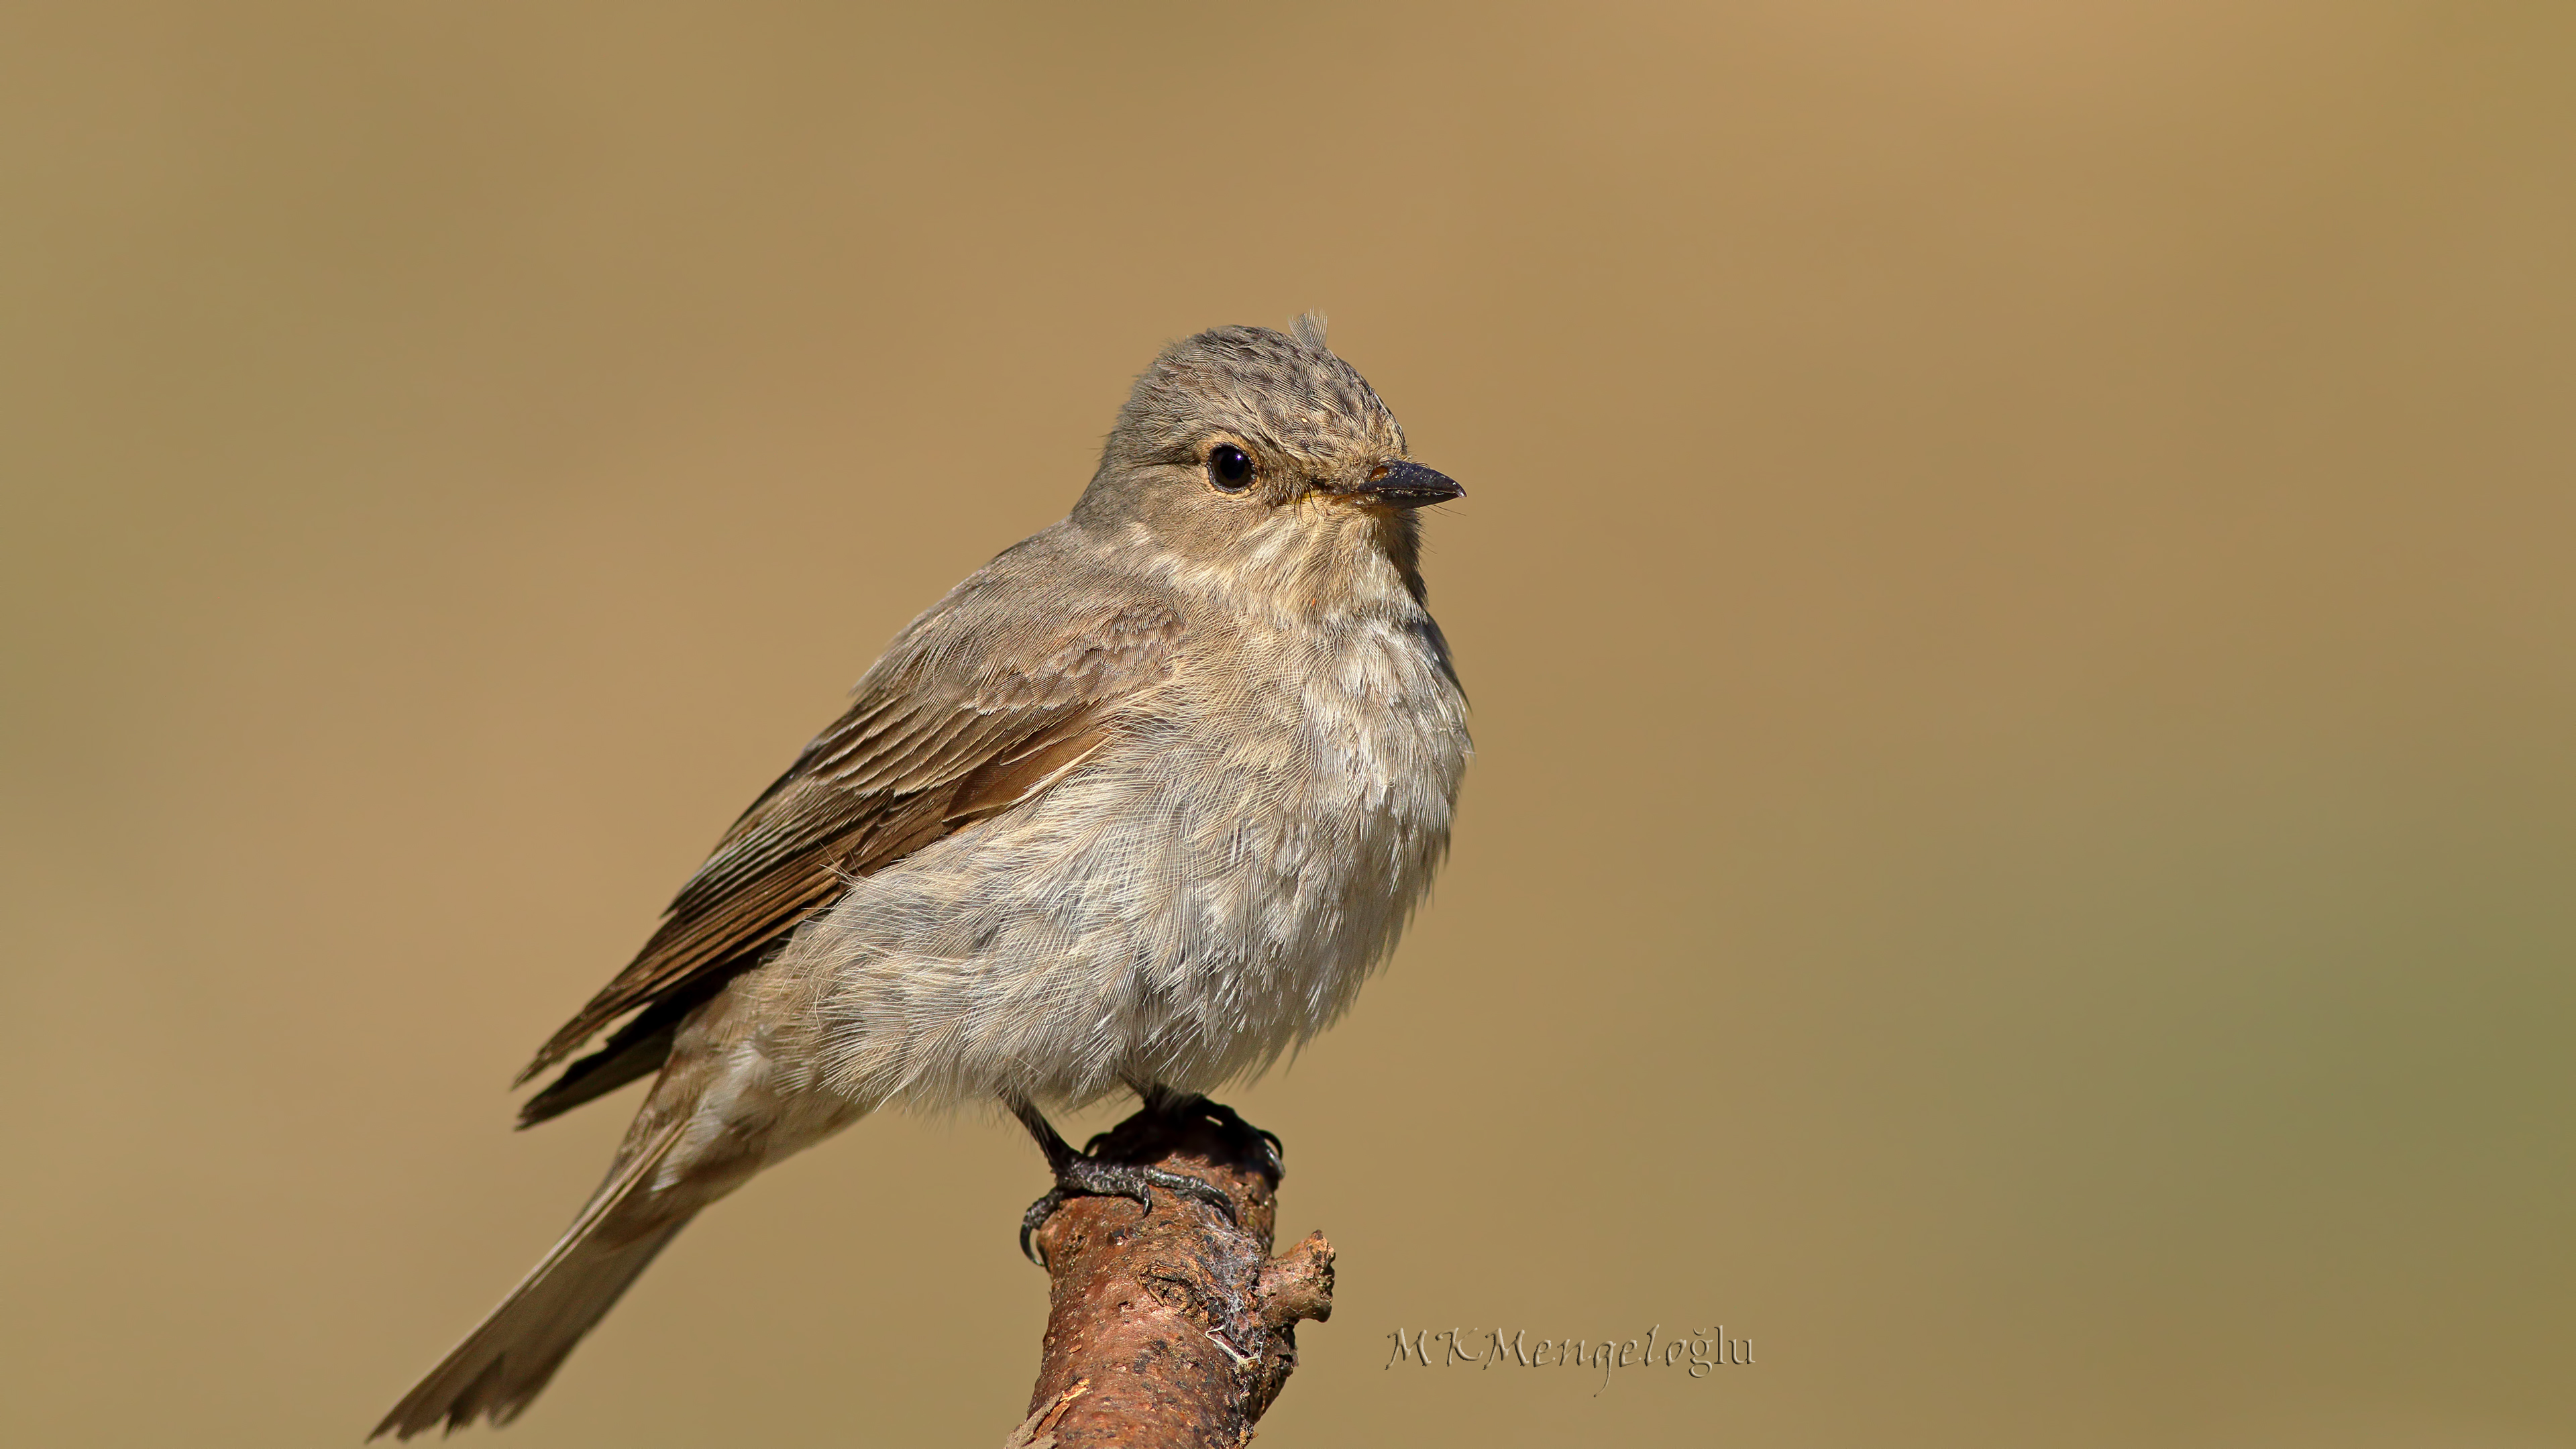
[{"x": 1172, "y": 1327}]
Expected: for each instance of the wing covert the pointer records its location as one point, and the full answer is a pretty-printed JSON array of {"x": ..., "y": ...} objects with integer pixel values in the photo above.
[{"x": 975, "y": 706}]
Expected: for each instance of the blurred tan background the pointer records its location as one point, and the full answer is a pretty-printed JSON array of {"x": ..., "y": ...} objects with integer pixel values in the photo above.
[{"x": 2017, "y": 593}]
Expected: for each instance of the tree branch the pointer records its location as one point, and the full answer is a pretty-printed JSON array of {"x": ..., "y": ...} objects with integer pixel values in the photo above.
[{"x": 1171, "y": 1329}]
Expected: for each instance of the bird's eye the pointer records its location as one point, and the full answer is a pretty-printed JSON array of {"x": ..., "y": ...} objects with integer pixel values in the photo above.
[{"x": 1230, "y": 467}]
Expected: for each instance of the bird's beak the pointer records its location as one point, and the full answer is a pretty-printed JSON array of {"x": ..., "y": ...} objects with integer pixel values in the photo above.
[{"x": 1408, "y": 485}]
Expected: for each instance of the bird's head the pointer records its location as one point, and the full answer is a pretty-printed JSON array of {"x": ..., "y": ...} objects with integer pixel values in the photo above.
[{"x": 1261, "y": 450}]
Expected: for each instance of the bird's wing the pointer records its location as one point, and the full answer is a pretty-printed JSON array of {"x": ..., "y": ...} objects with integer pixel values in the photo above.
[{"x": 975, "y": 707}]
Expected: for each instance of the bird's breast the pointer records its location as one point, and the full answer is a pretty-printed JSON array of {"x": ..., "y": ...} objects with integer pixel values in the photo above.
[
  {"x": 1322, "y": 799},
  {"x": 1206, "y": 891}
]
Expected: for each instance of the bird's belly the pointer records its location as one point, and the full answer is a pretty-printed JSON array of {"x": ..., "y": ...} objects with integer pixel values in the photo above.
[{"x": 1203, "y": 895}]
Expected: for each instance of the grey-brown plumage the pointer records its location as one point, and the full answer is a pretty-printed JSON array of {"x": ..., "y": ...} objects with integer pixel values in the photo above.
[{"x": 1137, "y": 805}]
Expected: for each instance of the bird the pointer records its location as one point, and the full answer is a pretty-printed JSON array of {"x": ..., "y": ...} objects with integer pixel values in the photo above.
[{"x": 1137, "y": 806}]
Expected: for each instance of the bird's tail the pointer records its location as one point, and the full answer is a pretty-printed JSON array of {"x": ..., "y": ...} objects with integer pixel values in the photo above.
[{"x": 502, "y": 1364}]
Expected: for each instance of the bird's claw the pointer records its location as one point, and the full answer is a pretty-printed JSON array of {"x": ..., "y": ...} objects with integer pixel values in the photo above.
[
  {"x": 1034, "y": 1219},
  {"x": 1088, "y": 1176},
  {"x": 1231, "y": 1122}
]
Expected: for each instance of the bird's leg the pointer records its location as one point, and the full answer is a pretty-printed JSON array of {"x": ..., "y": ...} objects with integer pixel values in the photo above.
[{"x": 1080, "y": 1174}]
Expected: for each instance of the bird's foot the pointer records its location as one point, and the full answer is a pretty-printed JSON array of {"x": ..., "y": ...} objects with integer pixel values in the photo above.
[
  {"x": 1257, "y": 1144},
  {"x": 1088, "y": 1176}
]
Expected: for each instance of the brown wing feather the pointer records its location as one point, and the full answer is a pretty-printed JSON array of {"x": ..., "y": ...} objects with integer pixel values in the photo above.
[{"x": 970, "y": 711}]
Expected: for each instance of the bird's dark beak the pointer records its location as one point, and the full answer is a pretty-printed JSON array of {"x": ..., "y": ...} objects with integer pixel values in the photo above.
[{"x": 1409, "y": 485}]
